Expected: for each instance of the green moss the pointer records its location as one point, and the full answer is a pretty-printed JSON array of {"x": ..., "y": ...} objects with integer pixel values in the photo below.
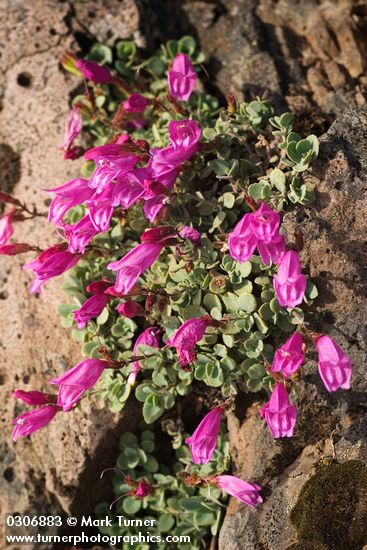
[{"x": 332, "y": 507}]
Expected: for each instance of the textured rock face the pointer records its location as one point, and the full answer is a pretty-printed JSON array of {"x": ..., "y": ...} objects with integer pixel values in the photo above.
[
  {"x": 309, "y": 479},
  {"x": 58, "y": 469}
]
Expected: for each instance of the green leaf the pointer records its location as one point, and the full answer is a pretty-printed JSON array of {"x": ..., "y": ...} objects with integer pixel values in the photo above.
[
  {"x": 165, "y": 523},
  {"x": 277, "y": 178},
  {"x": 131, "y": 505}
]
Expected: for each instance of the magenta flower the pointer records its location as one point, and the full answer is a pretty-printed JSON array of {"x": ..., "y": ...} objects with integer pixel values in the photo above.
[
  {"x": 70, "y": 194},
  {"x": 289, "y": 283},
  {"x": 165, "y": 163},
  {"x": 100, "y": 208},
  {"x": 242, "y": 241},
  {"x": 149, "y": 337},
  {"x": 35, "y": 397},
  {"x": 191, "y": 234},
  {"x": 6, "y": 227},
  {"x": 80, "y": 234},
  {"x": 74, "y": 125},
  {"x": 136, "y": 103},
  {"x": 90, "y": 309},
  {"x": 74, "y": 382},
  {"x": 242, "y": 490},
  {"x": 289, "y": 357},
  {"x": 99, "y": 287},
  {"x": 15, "y": 248},
  {"x": 94, "y": 71},
  {"x": 265, "y": 223},
  {"x": 133, "y": 264},
  {"x": 279, "y": 414},
  {"x": 144, "y": 489},
  {"x": 181, "y": 77},
  {"x": 110, "y": 168},
  {"x": 31, "y": 421},
  {"x": 186, "y": 338},
  {"x": 335, "y": 367},
  {"x": 204, "y": 439},
  {"x": 50, "y": 263},
  {"x": 258, "y": 229},
  {"x": 130, "y": 309}
]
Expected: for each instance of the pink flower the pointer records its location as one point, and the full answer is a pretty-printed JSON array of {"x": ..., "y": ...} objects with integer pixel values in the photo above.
[
  {"x": 90, "y": 309},
  {"x": 165, "y": 163},
  {"x": 74, "y": 382},
  {"x": 50, "y": 263},
  {"x": 265, "y": 223},
  {"x": 94, "y": 71},
  {"x": 258, "y": 229},
  {"x": 149, "y": 337},
  {"x": 279, "y": 414},
  {"x": 191, "y": 234},
  {"x": 181, "y": 78},
  {"x": 32, "y": 421},
  {"x": 204, "y": 439},
  {"x": 242, "y": 490},
  {"x": 289, "y": 357},
  {"x": 130, "y": 309},
  {"x": 80, "y": 234},
  {"x": 99, "y": 287},
  {"x": 6, "y": 227},
  {"x": 133, "y": 264},
  {"x": 186, "y": 338},
  {"x": 15, "y": 248},
  {"x": 136, "y": 103},
  {"x": 335, "y": 367},
  {"x": 74, "y": 125},
  {"x": 100, "y": 208},
  {"x": 143, "y": 489},
  {"x": 70, "y": 194},
  {"x": 34, "y": 397},
  {"x": 289, "y": 283},
  {"x": 242, "y": 241},
  {"x": 110, "y": 168}
]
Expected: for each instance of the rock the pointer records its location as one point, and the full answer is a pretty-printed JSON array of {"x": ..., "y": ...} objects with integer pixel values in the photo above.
[
  {"x": 315, "y": 484},
  {"x": 58, "y": 469}
]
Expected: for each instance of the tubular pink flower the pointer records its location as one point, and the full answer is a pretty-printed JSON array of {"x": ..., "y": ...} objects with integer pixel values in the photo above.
[
  {"x": 130, "y": 309},
  {"x": 204, "y": 439},
  {"x": 15, "y": 248},
  {"x": 77, "y": 381},
  {"x": 335, "y": 367},
  {"x": 74, "y": 125},
  {"x": 165, "y": 163},
  {"x": 289, "y": 357},
  {"x": 242, "y": 241},
  {"x": 186, "y": 338},
  {"x": 131, "y": 266},
  {"x": 149, "y": 337},
  {"x": 34, "y": 397},
  {"x": 110, "y": 168},
  {"x": 32, "y": 421},
  {"x": 50, "y": 263},
  {"x": 191, "y": 234},
  {"x": 70, "y": 194},
  {"x": 273, "y": 251},
  {"x": 80, "y": 234},
  {"x": 99, "y": 287},
  {"x": 90, "y": 309},
  {"x": 94, "y": 71},
  {"x": 100, "y": 208},
  {"x": 289, "y": 283},
  {"x": 6, "y": 228},
  {"x": 265, "y": 223},
  {"x": 136, "y": 103},
  {"x": 242, "y": 490},
  {"x": 181, "y": 77},
  {"x": 279, "y": 414}
]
